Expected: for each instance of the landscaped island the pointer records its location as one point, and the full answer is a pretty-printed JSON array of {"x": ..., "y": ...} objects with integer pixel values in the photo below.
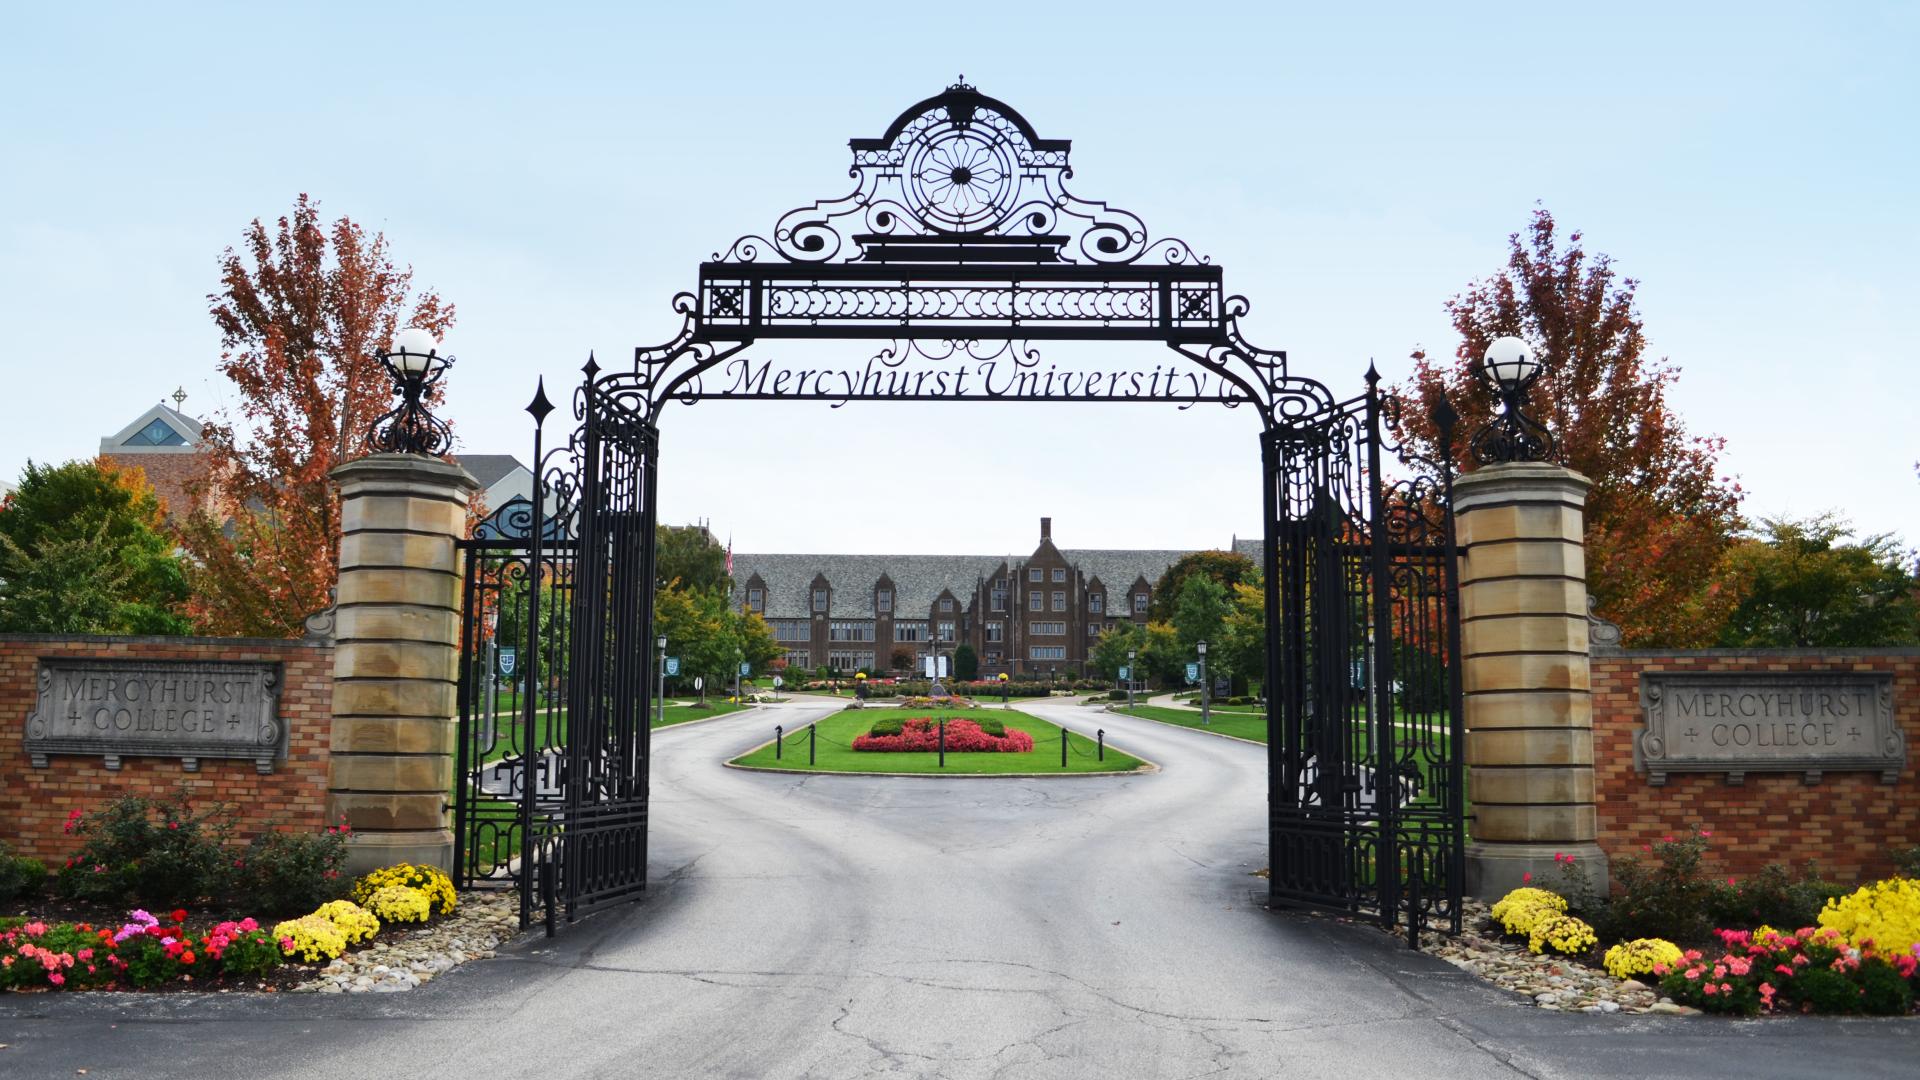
[{"x": 979, "y": 742}]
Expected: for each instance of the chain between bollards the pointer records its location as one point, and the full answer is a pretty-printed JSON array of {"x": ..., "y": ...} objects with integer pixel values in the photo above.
[
  {"x": 811, "y": 728},
  {"x": 779, "y": 734},
  {"x": 1063, "y": 748}
]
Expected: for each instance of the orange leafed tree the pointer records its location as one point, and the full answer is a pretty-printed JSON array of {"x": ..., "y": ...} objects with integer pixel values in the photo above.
[
  {"x": 1660, "y": 517},
  {"x": 301, "y": 310}
]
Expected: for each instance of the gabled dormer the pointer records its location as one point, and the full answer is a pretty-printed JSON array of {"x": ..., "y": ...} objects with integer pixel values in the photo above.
[
  {"x": 756, "y": 594},
  {"x": 884, "y": 596},
  {"x": 159, "y": 430},
  {"x": 1139, "y": 597},
  {"x": 819, "y": 597},
  {"x": 1096, "y": 598}
]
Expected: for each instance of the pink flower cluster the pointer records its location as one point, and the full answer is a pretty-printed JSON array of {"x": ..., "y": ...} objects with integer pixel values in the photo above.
[{"x": 922, "y": 734}]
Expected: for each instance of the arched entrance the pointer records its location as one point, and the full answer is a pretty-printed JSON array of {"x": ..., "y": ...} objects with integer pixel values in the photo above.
[{"x": 962, "y": 250}]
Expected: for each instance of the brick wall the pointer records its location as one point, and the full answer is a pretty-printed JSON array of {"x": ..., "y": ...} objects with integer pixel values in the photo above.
[
  {"x": 172, "y": 475},
  {"x": 1848, "y": 821},
  {"x": 34, "y": 802}
]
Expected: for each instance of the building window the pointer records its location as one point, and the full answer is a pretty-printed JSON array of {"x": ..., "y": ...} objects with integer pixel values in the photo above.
[
  {"x": 1059, "y": 600},
  {"x": 1048, "y": 652},
  {"x": 158, "y": 433},
  {"x": 1139, "y": 603},
  {"x": 850, "y": 631},
  {"x": 1047, "y": 629},
  {"x": 946, "y": 604},
  {"x": 999, "y": 596},
  {"x": 850, "y": 661},
  {"x": 883, "y": 600},
  {"x": 1096, "y": 602},
  {"x": 1033, "y": 574},
  {"x": 819, "y": 599},
  {"x": 798, "y": 659},
  {"x": 791, "y": 630},
  {"x": 992, "y": 657},
  {"x": 909, "y": 631},
  {"x": 1059, "y": 574},
  {"x": 1093, "y": 629},
  {"x": 996, "y": 631},
  {"x": 946, "y": 631},
  {"x": 1036, "y": 601}
]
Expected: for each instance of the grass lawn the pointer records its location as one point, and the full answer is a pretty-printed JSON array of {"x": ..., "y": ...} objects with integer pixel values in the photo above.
[
  {"x": 837, "y": 732},
  {"x": 1239, "y": 724}
]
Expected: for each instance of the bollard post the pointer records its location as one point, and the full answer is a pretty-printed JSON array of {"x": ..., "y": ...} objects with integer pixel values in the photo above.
[
  {"x": 943, "y": 742},
  {"x": 812, "y": 730},
  {"x": 779, "y": 735},
  {"x": 1101, "y": 735},
  {"x": 1063, "y": 748}
]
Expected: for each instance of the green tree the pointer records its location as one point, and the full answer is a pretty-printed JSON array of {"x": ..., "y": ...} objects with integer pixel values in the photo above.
[
  {"x": 1805, "y": 587},
  {"x": 689, "y": 554},
  {"x": 1110, "y": 649},
  {"x": 1200, "y": 614},
  {"x": 84, "y": 550},
  {"x": 755, "y": 641},
  {"x": 966, "y": 664},
  {"x": 1227, "y": 568},
  {"x": 1242, "y": 651}
]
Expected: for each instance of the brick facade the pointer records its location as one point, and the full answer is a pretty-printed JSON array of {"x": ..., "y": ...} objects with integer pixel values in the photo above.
[
  {"x": 34, "y": 802},
  {"x": 1847, "y": 821}
]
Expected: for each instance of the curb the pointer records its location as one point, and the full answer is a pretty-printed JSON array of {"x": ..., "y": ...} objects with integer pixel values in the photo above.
[{"x": 1183, "y": 727}]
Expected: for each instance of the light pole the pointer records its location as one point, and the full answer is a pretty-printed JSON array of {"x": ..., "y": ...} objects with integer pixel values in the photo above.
[
  {"x": 415, "y": 363},
  {"x": 1131, "y": 654},
  {"x": 1511, "y": 366},
  {"x": 660, "y": 692},
  {"x": 1205, "y": 719},
  {"x": 738, "y": 658}
]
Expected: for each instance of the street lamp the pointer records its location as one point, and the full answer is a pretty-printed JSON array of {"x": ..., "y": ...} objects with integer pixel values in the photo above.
[
  {"x": 1205, "y": 702},
  {"x": 1130, "y": 676},
  {"x": 415, "y": 363},
  {"x": 1511, "y": 366},
  {"x": 660, "y": 694}
]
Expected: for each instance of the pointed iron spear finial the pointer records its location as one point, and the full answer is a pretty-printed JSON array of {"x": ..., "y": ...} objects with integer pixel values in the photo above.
[{"x": 539, "y": 407}]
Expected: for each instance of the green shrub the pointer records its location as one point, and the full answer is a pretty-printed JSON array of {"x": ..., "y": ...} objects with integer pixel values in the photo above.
[
  {"x": 289, "y": 873},
  {"x": 19, "y": 875},
  {"x": 1773, "y": 897},
  {"x": 1667, "y": 897},
  {"x": 1116, "y": 695},
  {"x": 992, "y": 727},
  {"x": 1906, "y": 861},
  {"x": 890, "y": 725},
  {"x": 155, "y": 852}
]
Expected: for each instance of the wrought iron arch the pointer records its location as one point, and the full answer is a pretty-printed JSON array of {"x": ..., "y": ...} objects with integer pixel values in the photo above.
[{"x": 959, "y": 252}]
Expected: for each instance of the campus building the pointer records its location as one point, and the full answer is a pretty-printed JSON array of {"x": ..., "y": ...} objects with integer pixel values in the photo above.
[{"x": 1038, "y": 615}]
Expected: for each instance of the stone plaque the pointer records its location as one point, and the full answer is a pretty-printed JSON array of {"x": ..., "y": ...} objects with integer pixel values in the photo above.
[
  {"x": 1736, "y": 722},
  {"x": 188, "y": 709}
]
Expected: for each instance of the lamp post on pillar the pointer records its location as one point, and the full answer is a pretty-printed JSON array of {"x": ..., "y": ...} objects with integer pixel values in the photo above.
[
  {"x": 1518, "y": 522},
  {"x": 396, "y": 659}
]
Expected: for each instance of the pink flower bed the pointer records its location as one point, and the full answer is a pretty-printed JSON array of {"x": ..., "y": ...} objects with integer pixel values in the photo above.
[{"x": 922, "y": 734}]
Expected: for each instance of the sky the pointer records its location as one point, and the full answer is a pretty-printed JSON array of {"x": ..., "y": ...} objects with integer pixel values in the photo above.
[{"x": 558, "y": 172}]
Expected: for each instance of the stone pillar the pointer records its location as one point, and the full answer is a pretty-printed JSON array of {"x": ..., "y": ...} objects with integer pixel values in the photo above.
[
  {"x": 397, "y": 627},
  {"x": 1529, "y": 710}
]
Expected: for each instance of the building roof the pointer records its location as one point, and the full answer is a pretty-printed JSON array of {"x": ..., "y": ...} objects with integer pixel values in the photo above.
[
  {"x": 917, "y": 579},
  {"x": 489, "y": 469},
  {"x": 130, "y": 440}
]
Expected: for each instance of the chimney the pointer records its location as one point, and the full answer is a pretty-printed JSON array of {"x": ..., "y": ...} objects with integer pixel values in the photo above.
[{"x": 1046, "y": 528}]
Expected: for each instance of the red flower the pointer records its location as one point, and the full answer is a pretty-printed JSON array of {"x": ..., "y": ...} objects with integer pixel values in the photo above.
[
  {"x": 179, "y": 915},
  {"x": 186, "y": 958}
]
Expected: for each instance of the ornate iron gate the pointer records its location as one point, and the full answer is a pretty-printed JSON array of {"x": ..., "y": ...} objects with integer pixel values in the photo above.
[
  {"x": 958, "y": 254},
  {"x": 1364, "y": 724}
]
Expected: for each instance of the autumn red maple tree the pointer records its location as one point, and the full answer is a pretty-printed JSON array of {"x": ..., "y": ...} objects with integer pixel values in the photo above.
[
  {"x": 1661, "y": 516},
  {"x": 301, "y": 309}
]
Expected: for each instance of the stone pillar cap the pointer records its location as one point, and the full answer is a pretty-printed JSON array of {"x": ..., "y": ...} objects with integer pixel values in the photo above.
[
  {"x": 1519, "y": 481},
  {"x": 379, "y": 467}
]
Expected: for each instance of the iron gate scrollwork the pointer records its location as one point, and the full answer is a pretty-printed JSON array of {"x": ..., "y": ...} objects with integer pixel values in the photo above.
[
  {"x": 1367, "y": 789},
  {"x": 960, "y": 247}
]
